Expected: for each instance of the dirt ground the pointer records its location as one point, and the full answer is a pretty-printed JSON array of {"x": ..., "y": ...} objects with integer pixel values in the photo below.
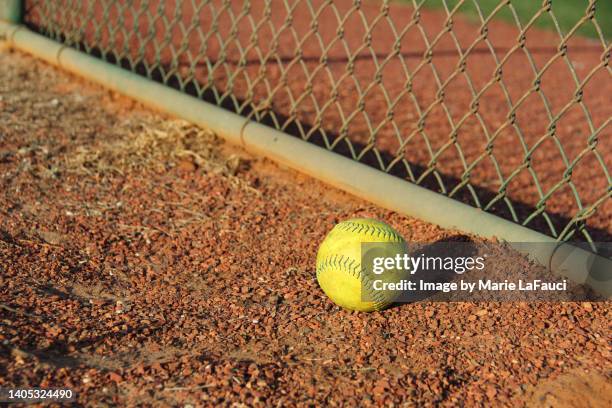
[{"x": 144, "y": 261}]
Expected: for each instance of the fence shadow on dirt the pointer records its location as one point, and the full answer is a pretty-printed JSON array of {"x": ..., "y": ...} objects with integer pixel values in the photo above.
[
  {"x": 523, "y": 210},
  {"x": 501, "y": 51}
]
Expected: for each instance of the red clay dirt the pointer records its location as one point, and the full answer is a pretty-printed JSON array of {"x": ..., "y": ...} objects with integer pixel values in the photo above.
[
  {"x": 143, "y": 261},
  {"x": 232, "y": 53}
]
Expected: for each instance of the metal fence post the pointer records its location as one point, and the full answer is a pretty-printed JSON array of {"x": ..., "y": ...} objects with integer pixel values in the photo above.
[{"x": 11, "y": 11}]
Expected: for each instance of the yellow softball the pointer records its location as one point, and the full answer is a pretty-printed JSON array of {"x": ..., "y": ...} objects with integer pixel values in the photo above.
[{"x": 339, "y": 269}]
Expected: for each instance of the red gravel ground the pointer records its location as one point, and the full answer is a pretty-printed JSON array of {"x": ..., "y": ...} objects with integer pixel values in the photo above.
[
  {"x": 143, "y": 261},
  {"x": 210, "y": 39}
]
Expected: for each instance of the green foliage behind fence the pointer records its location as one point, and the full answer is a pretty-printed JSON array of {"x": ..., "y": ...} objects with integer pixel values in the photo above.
[{"x": 565, "y": 13}]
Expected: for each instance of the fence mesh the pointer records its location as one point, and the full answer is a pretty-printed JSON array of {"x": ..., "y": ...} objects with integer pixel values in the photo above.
[{"x": 504, "y": 115}]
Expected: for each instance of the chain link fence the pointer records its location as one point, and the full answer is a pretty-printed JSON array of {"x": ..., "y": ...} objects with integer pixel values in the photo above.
[{"x": 503, "y": 115}]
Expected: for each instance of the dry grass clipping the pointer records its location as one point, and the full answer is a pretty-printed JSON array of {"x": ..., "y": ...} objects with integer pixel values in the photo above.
[{"x": 152, "y": 144}]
